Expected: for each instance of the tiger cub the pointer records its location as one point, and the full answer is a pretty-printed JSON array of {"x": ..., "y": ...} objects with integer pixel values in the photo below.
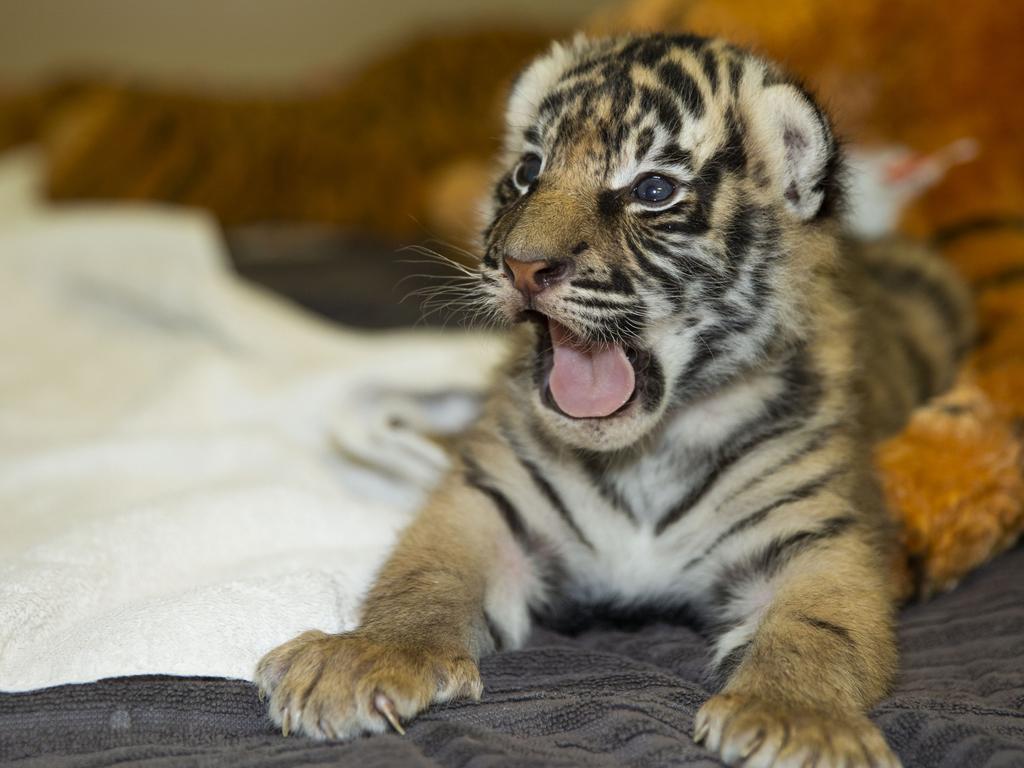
[{"x": 701, "y": 367}]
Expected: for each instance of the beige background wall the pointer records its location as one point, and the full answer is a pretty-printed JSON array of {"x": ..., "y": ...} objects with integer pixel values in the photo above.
[{"x": 234, "y": 42}]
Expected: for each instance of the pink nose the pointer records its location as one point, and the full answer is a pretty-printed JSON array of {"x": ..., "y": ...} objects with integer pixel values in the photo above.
[{"x": 532, "y": 277}]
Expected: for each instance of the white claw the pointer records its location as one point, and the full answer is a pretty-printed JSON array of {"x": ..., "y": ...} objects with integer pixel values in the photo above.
[
  {"x": 384, "y": 705},
  {"x": 701, "y": 731}
]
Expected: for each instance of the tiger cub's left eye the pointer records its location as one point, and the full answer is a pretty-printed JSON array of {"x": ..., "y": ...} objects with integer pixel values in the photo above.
[
  {"x": 654, "y": 189},
  {"x": 528, "y": 170}
]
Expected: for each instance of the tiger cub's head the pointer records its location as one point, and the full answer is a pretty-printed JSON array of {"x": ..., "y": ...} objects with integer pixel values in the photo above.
[{"x": 664, "y": 208}]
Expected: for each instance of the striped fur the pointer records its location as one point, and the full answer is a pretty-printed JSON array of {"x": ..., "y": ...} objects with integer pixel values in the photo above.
[{"x": 770, "y": 354}]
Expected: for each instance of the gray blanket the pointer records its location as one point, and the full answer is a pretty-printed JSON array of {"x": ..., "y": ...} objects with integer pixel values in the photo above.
[{"x": 607, "y": 697}]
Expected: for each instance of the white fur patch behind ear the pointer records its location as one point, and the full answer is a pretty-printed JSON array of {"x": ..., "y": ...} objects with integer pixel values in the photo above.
[{"x": 799, "y": 144}]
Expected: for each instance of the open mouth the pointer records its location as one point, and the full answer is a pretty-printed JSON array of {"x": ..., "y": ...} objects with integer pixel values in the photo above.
[{"x": 583, "y": 379}]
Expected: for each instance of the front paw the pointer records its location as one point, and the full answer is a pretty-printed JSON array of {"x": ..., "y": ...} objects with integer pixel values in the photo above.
[
  {"x": 339, "y": 686},
  {"x": 751, "y": 732}
]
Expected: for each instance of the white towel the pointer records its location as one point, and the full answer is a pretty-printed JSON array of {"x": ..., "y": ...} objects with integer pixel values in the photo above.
[{"x": 191, "y": 471}]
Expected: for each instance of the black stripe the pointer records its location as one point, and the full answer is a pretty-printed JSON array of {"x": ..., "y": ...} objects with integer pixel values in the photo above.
[
  {"x": 650, "y": 49},
  {"x": 901, "y": 279},
  {"x": 544, "y": 557},
  {"x": 505, "y": 193},
  {"x": 538, "y": 360},
  {"x": 596, "y": 303},
  {"x": 704, "y": 353},
  {"x": 699, "y": 378},
  {"x": 688, "y": 41},
  {"x": 673, "y": 154},
  {"x": 801, "y": 493},
  {"x": 652, "y": 382},
  {"x": 647, "y": 50},
  {"x": 731, "y": 156},
  {"x": 784, "y": 413},
  {"x": 782, "y": 549},
  {"x": 770, "y": 559},
  {"x": 608, "y": 143},
  {"x": 735, "y": 75},
  {"x": 490, "y": 260},
  {"x": 773, "y": 76},
  {"x": 622, "y": 90},
  {"x": 1000, "y": 279},
  {"x": 660, "y": 102},
  {"x": 644, "y": 141},
  {"x": 567, "y": 131},
  {"x": 980, "y": 224},
  {"x": 555, "y": 499},
  {"x": 741, "y": 231},
  {"x": 734, "y": 152},
  {"x": 609, "y": 287},
  {"x": 817, "y": 440},
  {"x": 684, "y": 258},
  {"x": 476, "y": 478},
  {"x": 584, "y": 67},
  {"x": 709, "y": 63},
  {"x": 663, "y": 277},
  {"x": 922, "y": 372},
  {"x": 761, "y": 289},
  {"x": 496, "y": 635},
  {"x": 841, "y": 632},
  {"x": 597, "y": 469},
  {"x": 747, "y": 441},
  {"x": 679, "y": 82},
  {"x": 544, "y": 486},
  {"x": 554, "y": 102},
  {"x": 728, "y": 665},
  {"x": 621, "y": 281}
]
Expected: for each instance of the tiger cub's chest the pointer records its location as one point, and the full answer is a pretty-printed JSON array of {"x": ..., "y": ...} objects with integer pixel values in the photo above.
[{"x": 650, "y": 518}]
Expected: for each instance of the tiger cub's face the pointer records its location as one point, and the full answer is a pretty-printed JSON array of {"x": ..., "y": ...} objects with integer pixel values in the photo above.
[{"x": 664, "y": 207}]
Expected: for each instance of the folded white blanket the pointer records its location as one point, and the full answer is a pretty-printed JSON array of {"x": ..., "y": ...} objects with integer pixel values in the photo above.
[{"x": 192, "y": 471}]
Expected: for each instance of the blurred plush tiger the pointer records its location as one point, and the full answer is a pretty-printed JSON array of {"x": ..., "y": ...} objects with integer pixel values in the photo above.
[{"x": 702, "y": 365}]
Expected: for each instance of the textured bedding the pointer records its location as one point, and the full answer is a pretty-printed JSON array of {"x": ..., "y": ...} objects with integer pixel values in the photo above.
[{"x": 606, "y": 697}]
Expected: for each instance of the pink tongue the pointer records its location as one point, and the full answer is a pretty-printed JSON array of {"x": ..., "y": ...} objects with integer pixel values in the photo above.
[{"x": 592, "y": 382}]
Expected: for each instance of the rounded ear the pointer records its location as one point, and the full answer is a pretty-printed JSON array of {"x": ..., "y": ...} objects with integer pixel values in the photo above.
[{"x": 800, "y": 144}]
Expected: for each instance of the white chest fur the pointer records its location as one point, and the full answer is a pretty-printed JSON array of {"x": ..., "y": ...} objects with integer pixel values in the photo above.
[{"x": 631, "y": 559}]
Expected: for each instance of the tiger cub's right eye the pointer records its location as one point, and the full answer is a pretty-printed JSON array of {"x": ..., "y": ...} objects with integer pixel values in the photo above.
[
  {"x": 654, "y": 189},
  {"x": 528, "y": 170}
]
